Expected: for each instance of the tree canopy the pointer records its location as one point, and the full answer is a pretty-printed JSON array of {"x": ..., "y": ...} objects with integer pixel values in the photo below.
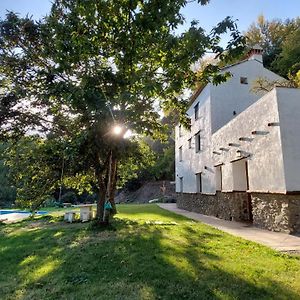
[
  {"x": 280, "y": 42},
  {"x": 93, "y": 64},
  {"x": 7, "y": 188},
  {"x": 288, "y": 61}
]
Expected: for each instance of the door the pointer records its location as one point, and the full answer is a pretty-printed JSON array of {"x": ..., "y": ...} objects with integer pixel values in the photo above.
[{"x": 249, "y": 202}]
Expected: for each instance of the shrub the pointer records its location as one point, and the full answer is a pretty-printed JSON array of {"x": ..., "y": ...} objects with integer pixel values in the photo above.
[
  {"x": 51, "y": 202},
  {"x": 69, "y": 197}
]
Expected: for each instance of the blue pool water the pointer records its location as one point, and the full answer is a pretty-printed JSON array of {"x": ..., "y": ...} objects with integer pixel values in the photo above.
[{"x": 6, "y": 212}]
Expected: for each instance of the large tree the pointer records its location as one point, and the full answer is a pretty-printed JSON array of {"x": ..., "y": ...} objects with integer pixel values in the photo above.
[
  {"x": 93, "y": 64},
  {"x": 7, "y": 189},
  {"x": 39, "y": 167},
  {"x": 35, "y": 168},
  {"x": 272, "y": 35},
  {"x": 288, "y": 61}
]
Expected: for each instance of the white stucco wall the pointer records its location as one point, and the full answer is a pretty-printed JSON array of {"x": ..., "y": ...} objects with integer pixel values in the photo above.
[
  {"x": 265, "y": 161},
  {"x": 218, "y": 127},
  {"x": 234, "y": 96},
  {"x": 289, "y": 120},
  {"x": 192, "y": 162}
]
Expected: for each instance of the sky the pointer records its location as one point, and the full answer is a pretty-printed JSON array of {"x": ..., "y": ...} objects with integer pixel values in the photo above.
[{"x": 245, "y": 11}]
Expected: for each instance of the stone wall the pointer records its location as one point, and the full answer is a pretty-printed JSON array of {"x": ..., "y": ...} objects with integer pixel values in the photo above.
[
  {"x": 276, "y": 212},
  {"x": 229, "y": 206}
]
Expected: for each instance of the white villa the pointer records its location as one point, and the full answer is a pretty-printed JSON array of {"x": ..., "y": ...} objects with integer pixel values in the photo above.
[{"x": 241, "y": 158}]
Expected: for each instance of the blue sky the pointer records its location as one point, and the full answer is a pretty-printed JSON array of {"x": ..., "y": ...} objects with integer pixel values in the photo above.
[{"x": 246, "y": 11}]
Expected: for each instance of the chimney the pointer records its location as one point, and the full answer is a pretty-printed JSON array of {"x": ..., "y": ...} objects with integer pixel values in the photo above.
[{"x": 256, "y": 53}]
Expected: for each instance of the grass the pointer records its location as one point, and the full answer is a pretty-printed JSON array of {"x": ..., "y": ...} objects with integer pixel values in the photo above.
[{"x": 149, "y": 253}]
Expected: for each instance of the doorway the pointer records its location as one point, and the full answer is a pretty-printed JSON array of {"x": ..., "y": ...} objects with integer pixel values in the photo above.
[
  {"x": 241, "y": 184},
  {"x": 249, "y": 201}
]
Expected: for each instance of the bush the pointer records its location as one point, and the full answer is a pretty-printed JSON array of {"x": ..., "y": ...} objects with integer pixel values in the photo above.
[
  {"x": 91, "y": 198},
  {"x": 69, "y": 197},
  {"x": 51, "y": 202}
]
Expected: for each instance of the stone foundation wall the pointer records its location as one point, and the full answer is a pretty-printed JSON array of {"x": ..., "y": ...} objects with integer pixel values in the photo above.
[
  {"x": 276, "y": 212},
  {"x": 229, "y": 206}
]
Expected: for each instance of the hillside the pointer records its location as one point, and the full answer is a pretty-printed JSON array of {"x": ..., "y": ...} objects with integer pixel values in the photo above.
[{"x": 148, "y": 191}]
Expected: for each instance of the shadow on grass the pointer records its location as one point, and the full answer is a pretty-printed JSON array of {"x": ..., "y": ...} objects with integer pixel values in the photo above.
[{"x": 133, "y": 261}]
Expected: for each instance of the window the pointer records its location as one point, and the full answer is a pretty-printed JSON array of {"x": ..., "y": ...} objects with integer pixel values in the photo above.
[
  {"x": 197, "y": 142},
  {"x": 199, "y": 182},
  {"x": 180, "y": 130},
  {"x": 190, "y": 143},
  {"x": 244, "y": 80},
  {"x": 196, "y": 109},
  {"x": 180, "y": 153},
  {"x": 181, "y": 184}
]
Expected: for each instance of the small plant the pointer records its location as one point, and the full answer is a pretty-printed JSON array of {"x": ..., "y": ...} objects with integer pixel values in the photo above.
[{"x": 51, "y": 202}]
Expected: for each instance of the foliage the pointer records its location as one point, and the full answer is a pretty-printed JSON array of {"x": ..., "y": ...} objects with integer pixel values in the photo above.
[
  {"x": 92, "y": 64},
  {"x": 138, "y": 160},
  {"x": 34, "y": 169},
  {"x": 154, "y": 254},
  {"x": 7, "y": 190},
  {"x": 272, "y": 36},
  {"x": 51, "y": 202},
  {"x": 262, "y": 85},
  {"x": 280, "y": 43},
  {"x": 162, "y": 153},
  {"x": 91, "y": 198},
  {"x": 164, "y": 166},
  {"x": 36, "y": 166},
  {"x": 296, "y": 78},
  {"x": 69, "y": 197},
  {"x": 288, "y": 61}
]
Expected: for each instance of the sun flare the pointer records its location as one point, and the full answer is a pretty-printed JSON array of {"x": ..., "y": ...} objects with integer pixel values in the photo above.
[{"x": 117, "y": 130}]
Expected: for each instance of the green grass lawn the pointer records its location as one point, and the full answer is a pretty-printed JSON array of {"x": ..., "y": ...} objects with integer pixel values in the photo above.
[{"x": 150, "y": 254}]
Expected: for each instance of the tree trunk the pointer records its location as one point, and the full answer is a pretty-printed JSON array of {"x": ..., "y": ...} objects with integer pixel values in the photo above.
[
  {"x": 101, "y": 198},
  {"x": 101, "y": 175},
  {"x": 113, "y": 184},
  {"x": 107, "y": 187},
  {"x": 108, "y": 175}
]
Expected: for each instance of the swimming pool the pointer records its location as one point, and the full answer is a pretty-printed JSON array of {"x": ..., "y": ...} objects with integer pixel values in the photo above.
[{"x": 6, "y": 212}]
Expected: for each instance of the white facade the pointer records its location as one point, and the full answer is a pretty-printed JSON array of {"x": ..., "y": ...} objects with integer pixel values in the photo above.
[
  {"x": 288, "y": 101},
  {"x": 248, "y": 142}
]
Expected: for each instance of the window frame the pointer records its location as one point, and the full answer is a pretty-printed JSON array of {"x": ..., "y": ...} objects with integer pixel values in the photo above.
[
  {"x": 198, "y": 147},
  {"x": 180, "y": 153},
  {"x": 180, "y": 130},
  {"x": 243, "y": 80},
  {"x": 196, "y": 111},
  {"x": 199, "y": 183},
  {"x": 218, "y": 170},
  {"x": 181, "y": 184}
]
